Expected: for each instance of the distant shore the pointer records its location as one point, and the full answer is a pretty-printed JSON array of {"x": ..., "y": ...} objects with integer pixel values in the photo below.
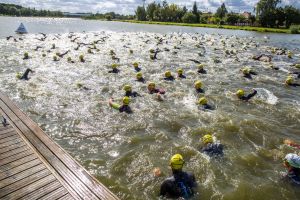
[{"x": 245, "y": 28}]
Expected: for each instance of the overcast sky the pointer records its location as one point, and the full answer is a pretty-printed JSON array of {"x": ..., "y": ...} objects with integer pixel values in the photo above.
[{"x": 128, "y": 6}]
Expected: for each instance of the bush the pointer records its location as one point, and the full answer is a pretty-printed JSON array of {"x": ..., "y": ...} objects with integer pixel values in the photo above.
[
  {"x": 189, "y": 18},
  {"x": 295, "y": 29}
]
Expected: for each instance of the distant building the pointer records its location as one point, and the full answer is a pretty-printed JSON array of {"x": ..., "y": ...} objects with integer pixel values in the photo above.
[
  {"x": 247, "y": 15},
  {"x": 68, "y": 14}
]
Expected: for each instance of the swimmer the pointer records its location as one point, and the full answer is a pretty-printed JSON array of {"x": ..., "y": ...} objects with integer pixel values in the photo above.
[
  {"x": 168, "y": 76},
  {"x": 210, "y": 148},
  {"x": 136, "y": 67},
  {"x": 180, "y": 73},
  {"x": 25, "y": 75},
  {"x": 129, "y": 92},
  {"x": 292, "y": 163},
  {"x": 140, "y": 78},
  {"x": 122, "y": 108},
  {"x": 201, "y": 69},
  {"x": 114, "y": 69},
  {"x": 204, "y": 104},
  {"x": 181, "y": 184},
  {"x": 290, "y": 82},
  {"x": 152, "y": 90},
  {"x": 291, "y": 143},
  {"x": 198, "y": 87},
  {"x": 241, "y": 95},
  {"x": 247, "y": 72}
]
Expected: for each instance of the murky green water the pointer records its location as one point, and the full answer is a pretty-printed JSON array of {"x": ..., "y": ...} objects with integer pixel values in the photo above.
[{"x": 122, "y": 150}]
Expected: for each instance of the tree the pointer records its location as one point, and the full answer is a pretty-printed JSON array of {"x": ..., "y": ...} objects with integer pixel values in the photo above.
[
  {"x": 292, "y": 16},
  {"x": 266, "y": 12},
  {"x": 196, "y": 12},
  {"x": 141, "y": 13},
  {"x": 221, "y": 11},
  {"x": 150, "y": 10},
  {"x": 232, "y": 18},
  {"x": 189, "y": 18}
]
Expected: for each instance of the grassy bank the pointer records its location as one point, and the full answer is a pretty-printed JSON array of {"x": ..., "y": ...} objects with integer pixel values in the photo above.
[{"x": 246, "y": 28}]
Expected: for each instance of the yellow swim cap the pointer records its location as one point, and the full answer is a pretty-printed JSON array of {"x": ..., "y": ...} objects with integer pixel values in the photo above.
[
  {"x": 126, "y": 100},
  {"x": 200, "y": 66},
  {"x": 240, "y": 93},
  {"x": 202, "y": 101},
  {"x": 176, "y": 162},
  {"x": 135, "y": 64},
  {"x": 246, "y": 70},
  {"x": 114, "y": 66},
  {"x": 180, "y": 71},
  {"x": 297, "y": 66},
  {"x": 198, "y": 84},
  {"x": 127, "y": 88},
  {"x": 207, "y": 139},
  {"x": 168, "y": 74},
  {"x": 289, "y": 80},
  {"x": 139, "y": 75},
  {"x": 151, "y": 84}
]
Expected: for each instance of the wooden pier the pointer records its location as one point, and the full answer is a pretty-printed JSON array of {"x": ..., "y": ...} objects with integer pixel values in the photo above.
[{"x": 33, "y": 166}]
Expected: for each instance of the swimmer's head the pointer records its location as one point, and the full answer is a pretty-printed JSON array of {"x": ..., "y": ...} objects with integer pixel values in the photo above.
[
  {"x": 151, "y": 86},
  {"x": 180, "y": 71},
  {"x": 240, "y": 93},
  {"x": 207, "y": 139},
  {"x": 246, "y": 71},
  {"x": 114, "y": 66},
  {"x": 202, "y": 101},
  {"x": 127, "y": 88},
  {"x": 136, "y": 65},
  {"x": 289, "y": 80},
  {"x": 126, "y": 100},
  {"x": 201, "y": 66},
  {"x": 139, "y": 75},
  {"x": 168, "y": 74},
  {"x": 198, "y": 84},
  {"x": 177, "y": 162}
]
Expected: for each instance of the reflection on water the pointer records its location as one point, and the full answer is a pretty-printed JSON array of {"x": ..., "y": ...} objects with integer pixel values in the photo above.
[{"x": 122, "y": 150}]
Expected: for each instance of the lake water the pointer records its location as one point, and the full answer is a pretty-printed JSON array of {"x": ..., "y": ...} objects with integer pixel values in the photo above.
[{"x": 121, "y": 150}]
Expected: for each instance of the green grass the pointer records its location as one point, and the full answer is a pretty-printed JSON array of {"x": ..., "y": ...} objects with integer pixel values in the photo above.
[{"x": 246, "y": 28}]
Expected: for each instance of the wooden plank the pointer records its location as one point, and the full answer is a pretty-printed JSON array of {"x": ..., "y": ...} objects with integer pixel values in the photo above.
[
  {"x": 8, "y": 134},
  {"x": 60, "y": 192},
  {"x": 4, "y": 140},
  {"x": 15, "y": 157},
  {"x": 10, "y": 143},
  {"x": 14, "y": 152},
  {"x": 66, "y": 197},
  {"x": 42, "y": 191},
  {"x": 12, "y": 147},
  {"x": 5, "y": 127},
  {"x": 17, "y": 163},
  {"x": 23, "y": 182},
  {"x": 21, "y": 175},
  {"x": 16, "y": 170},
  {"x": 30, "y": 187},
  {"x": 6, "y": 130}
]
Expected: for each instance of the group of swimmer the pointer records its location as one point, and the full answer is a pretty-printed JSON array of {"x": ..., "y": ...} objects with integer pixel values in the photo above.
[{"x": 151, "y": 86}]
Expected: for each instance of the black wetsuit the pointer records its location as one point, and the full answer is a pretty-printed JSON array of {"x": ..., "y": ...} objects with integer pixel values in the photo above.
[
  {"x": 181, "y": 184},
  {"x": 249, "y": 75},
  {"x": 114, "y": 71},
  {"x": 202, "y": 71},
  {"x": 294, "y": 175},
  {"x": 125, "y": 108},
  {"x": 171, "y": 78},
  {"x": 294, "y": 84},
  {"x": 181, "y": 76},
  {"x": 137, "y": 69},
  {"x": 207, "y": 107},
  {"x": 213, "y": 149},
  {"x": 297, "y": 73},
  {"x": 200, "y": 90},
  {"x": 132, "y": 94},
  {"x": 249, "y": 96},
  {"x": 142, "y": 80},
  {"x": 25, "y": 75}
]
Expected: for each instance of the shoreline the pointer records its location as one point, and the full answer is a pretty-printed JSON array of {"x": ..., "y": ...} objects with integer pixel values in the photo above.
[{"x": 244, "y": 28}]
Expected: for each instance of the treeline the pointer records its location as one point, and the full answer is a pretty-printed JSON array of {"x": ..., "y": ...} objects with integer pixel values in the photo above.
[
  {"x": 16, "y": 10},
  {"x": 110, "y": 16},
  {"x": 268, "y": 14}
]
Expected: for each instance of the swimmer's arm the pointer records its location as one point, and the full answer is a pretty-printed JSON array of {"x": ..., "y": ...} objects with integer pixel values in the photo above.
[{"x": 114, "y": 105}]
